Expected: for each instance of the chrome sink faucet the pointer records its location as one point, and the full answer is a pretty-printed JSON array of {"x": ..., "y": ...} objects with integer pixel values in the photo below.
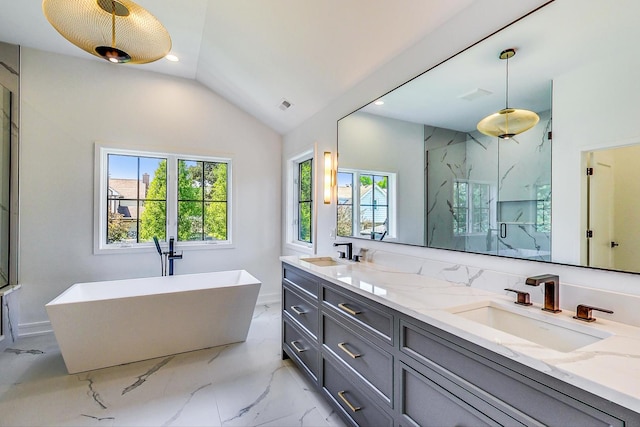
[{"x": 551, "y": 290}]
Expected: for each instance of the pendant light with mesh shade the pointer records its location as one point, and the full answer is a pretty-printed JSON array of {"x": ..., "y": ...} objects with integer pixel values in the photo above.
[
  {"x": 508, "y": 122},
  {"x": 116, "y": 30}
]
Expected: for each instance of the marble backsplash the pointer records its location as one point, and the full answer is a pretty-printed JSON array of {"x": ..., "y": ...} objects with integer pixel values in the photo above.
[{"x": 571, "y": 294}]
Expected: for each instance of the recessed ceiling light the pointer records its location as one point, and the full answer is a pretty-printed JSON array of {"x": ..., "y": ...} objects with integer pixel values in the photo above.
[
  {"x": 379, "y": 102},
  {"x": 172, "y": 58}
]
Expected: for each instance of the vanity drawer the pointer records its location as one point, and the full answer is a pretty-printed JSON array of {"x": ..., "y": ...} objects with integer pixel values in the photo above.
[
  {"x": 372, "y": 364},
  {"x": 355, "y": 404},
  {"x": 429, "y": 399},
  {"x": 511, "y": 387},
  {"x": 301, "y": 348},
  {"x": 300, "y": 310},
  {"x": 364, "y": 314},
  {"x": 305, "y": 282}
]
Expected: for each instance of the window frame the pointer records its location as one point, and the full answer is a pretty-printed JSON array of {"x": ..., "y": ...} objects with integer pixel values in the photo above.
[
  {"x": 101, "y": 186},
  {"x": 470, "y": 208},
  {"x": 292, "y": 198},
  {"x": 392, "y": 203}
]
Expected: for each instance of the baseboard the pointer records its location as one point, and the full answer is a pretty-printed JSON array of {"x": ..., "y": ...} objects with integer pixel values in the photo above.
[
  {"x": 34, "y": 328},
  {"x": 268, "y": 299}
]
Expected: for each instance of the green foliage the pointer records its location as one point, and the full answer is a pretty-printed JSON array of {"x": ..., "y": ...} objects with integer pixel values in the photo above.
[
  {"x": 382, "y": 183},
  {"x": 153, "y": 218},
  {"x": 216, "y": 194},
  {"x": 117, "y": 228},
  {"x": 202, "y": 202},
  {"x": 365, "y": 180},
  {"x": 202, "y": 190},
  {"x": 305, "y": 200}
]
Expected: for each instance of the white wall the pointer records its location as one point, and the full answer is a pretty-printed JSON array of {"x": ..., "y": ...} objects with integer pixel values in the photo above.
[
  {"x": 382, "y": 144},
  {"x": 578, "y": 128},
  {"x": 479, "y": 20},
  {"x": 67, "y": 105}
]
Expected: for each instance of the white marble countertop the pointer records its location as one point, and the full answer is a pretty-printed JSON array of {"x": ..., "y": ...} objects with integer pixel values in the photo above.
[{"x": 609, "y": 368}]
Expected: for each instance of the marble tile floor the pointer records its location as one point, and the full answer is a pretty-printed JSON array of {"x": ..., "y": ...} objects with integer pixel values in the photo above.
[{"x": 244, "y": 384}]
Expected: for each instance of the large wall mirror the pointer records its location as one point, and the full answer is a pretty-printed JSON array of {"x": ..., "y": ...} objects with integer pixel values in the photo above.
[{"x": 414, "y": 169}]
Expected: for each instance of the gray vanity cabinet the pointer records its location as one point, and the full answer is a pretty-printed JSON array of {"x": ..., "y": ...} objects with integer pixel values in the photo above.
[
  {"x": 380, "y": 367},
  {"x": 300, "y": 320}
]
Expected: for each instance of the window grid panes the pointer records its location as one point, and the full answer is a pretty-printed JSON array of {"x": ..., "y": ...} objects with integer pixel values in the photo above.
[
  {"x": 136, "y": 198},
  {"x": 305, "y": 200},
  {"x": 345, "y": 204},
  {"x": 145, "y": 195},
  {"x": 202, "y": 200},
  {"x": 471, "y": 207},
  {"x": 543, "y": 208},
  {"x": 374, "y": 204}
]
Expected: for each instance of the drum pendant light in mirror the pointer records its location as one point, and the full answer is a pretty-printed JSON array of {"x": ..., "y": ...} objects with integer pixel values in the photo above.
[
  {"x": 117, "y": 30},
  {"x": 508, "y": 122}
]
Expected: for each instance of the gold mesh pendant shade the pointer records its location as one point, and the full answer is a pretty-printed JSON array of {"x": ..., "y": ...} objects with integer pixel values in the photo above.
[
  {"x": 118, "y": 31},
  {"x": 508, "y": 122}
]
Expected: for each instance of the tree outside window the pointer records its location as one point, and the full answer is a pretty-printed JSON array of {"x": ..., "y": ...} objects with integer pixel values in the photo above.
[
  {"x": 305, "y": 202},
  {"x": 136, "y": 195}
]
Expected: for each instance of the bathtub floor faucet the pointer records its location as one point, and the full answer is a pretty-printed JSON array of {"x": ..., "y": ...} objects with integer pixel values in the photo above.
[{"x": 167, "y": 258}]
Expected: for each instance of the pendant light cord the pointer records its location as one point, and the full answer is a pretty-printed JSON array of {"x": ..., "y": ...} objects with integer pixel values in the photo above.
[
  {"x": 113, "y": 24},
  {"x": 506, "y": 101}
]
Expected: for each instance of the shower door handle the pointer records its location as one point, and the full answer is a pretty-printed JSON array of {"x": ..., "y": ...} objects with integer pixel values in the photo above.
[{"x": 503, "y": 230}]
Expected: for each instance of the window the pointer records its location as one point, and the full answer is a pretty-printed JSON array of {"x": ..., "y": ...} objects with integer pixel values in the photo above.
[
  {"x": 144, "y": 195},
  {"x": 134, "y": 208},
  {"x": 304, "y": 190},
  {"x": 365, "y": 203},
  {"x": 471, "y": 207},
  {"x": 202, "y": 200},
  {"x": 543, "y": 208}
]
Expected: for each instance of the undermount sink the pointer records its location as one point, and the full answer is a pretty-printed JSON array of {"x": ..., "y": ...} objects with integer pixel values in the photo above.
[
  {"x": 536, "y": 327},
  {"x": 323, "y": 261}
]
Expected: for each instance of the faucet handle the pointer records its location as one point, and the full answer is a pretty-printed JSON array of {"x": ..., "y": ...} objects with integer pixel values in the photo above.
[
  {"x": 583, "y": 312},
  {"x": 341, "y": 254},
  {"x": 522, "y": 297}
]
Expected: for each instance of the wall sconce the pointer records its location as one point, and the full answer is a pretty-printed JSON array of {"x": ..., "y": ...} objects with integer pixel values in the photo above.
[{"x": 329, "y": 177}]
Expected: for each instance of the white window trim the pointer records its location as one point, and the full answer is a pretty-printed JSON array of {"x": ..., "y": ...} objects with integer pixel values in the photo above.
[
  {"x": 392, "y": 211},
  {"x": 100, "y": 199},
  {"x": 292, "y": 202},
  {"x": 493, "y": 194}
]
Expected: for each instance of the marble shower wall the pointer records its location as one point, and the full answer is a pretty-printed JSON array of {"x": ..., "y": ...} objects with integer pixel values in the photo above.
[{"x": 517, "y": 176}]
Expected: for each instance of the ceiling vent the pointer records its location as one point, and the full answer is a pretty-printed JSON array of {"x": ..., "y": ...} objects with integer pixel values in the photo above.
[
  {"x": 284, "y": 104},
  {"x": 475, "y": 94}
]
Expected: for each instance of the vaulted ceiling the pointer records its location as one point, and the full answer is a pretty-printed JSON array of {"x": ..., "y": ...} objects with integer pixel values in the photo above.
[{"x": 256, "y": 53}]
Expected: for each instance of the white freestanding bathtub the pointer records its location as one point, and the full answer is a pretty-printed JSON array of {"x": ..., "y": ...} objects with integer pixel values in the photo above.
[{"x": 109, "y": 323}]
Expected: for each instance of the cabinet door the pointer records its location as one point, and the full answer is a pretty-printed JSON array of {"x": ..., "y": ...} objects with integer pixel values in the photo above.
[
  {"x": 301, "y": 348},
  {"x": 366, "y": 314},
  {"x": 301, "y": 310},
  {"x": 429, "y": 399},
  {"x": 508, "y": 387},
  {"x": 370, "y": 362},
  {"x": 347, "y": 393},
  {"x": 305, "y": 282}
]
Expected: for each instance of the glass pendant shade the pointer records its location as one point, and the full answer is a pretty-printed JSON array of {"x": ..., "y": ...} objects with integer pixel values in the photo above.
[
  {"x": 118, "y": 31},
  {"x": 508, "y": 122}
]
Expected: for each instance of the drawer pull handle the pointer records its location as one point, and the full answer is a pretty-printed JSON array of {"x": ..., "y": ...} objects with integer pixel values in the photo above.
[
  {"x": 346, "y": 402},
  {"x": 297, "y": 311},
  {"x": 296, "y": 348},
  {"x": 351, "y": 311},
  {"x": 343, "y": 347}
]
